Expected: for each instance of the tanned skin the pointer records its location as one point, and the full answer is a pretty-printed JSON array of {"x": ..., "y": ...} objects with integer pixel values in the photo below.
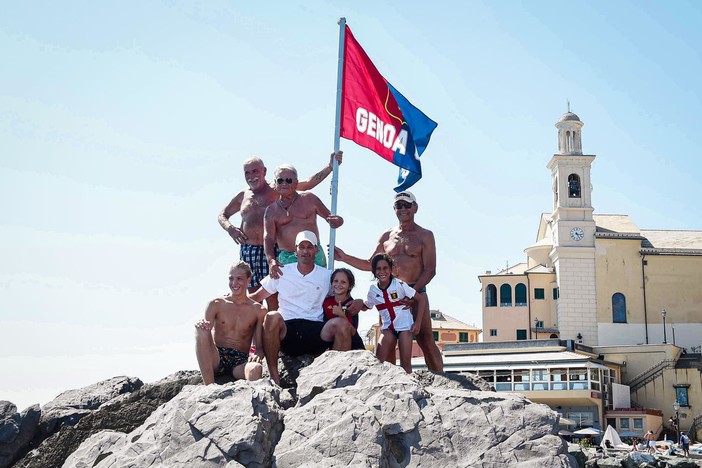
[
  {"x": 413, "y": 249},
  {"x": 252, "y": 202},
  {"x": 236, "y": 320}
]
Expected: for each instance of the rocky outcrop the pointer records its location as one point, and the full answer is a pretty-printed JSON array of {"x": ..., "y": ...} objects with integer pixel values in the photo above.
[
  {"x": 71, "y": 405},
  {"x": 122, "y": 413},
  {"x": 16, "y": 430},
  {"x": 350, "y": 410}
]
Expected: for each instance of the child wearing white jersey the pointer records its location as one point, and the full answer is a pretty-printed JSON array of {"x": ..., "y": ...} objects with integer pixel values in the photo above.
[{"x": 393, "y": 299}]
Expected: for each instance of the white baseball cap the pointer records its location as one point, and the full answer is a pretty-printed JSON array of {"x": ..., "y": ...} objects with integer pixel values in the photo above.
[
  {"x": 405, "y": 196},
  {"x": 305, "y": 236}
]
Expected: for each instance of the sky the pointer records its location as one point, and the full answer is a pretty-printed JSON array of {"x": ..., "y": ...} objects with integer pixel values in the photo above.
[{"x": 124, "y": 125}]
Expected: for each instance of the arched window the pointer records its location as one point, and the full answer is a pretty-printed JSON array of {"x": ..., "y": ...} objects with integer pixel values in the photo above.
[
  {"x": 506, "y": 295},
  {"x": 520, "y": 295},
  {"x": 618, "y": 308},
  {"x": 553, "y": 335},
  {"x": 491, "y": 296},
  {"x": 573, "y": 186}
]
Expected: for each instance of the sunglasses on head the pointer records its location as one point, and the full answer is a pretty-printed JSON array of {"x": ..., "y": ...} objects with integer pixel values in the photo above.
[
  {"x": 287, "y": 180},
  {"x": 400, "y": 205}
]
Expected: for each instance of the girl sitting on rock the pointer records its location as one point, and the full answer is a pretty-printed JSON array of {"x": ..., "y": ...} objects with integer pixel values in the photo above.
[{"x": 342, "y": 282}]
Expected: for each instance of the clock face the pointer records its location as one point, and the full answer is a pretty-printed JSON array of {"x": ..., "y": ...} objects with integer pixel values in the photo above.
[{"x": 577, "y": 234}]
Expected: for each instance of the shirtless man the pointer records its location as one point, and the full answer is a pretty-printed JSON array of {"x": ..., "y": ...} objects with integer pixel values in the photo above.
[
  {"x": 252, "y": 203},
  {"x": 414, "y": 250},
  {"x": 292, "y": 213},
  {"x": 236, "y": 319}
]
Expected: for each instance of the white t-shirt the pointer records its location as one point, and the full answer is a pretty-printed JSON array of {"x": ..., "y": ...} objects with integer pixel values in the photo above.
[
  {"x": 395, "y": 315},
  {"x": 300, "y": 296}
]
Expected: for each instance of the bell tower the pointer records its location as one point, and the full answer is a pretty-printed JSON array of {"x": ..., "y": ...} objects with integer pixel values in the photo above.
[{"x": 573, "y": 227}]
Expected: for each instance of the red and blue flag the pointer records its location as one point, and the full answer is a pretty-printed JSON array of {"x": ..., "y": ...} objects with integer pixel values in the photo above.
[{"x": 377, "y": 116}]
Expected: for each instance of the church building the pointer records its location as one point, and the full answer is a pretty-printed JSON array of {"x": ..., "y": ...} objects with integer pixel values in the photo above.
[{"x": 596, "y": 279}]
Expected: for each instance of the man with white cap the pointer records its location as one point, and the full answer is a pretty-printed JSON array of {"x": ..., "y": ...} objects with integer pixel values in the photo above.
[
  {"x": 298, "y": 326},
  {"x": 414, "y": 251}
]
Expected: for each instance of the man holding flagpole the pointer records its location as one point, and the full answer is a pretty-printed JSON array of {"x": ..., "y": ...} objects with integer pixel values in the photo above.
[{"x": 414, "y": 250}]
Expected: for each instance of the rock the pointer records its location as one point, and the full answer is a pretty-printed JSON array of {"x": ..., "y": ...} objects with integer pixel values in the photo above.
[
  {"x": 609, "y": 462},
  {"x": 682, "y": 463},
  {"x": 16, "y": 430},
  {"x": 122, "y": 413},
  {"x": 71, "y": 405},
  {"x": 576, "y": 452},
  {"x": 351, "y": 410},
  {"x": 636, "y": 459},
  {"x": 218, "y": 425}
]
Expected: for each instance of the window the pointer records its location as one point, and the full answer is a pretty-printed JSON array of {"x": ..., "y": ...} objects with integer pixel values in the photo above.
[
  {"x": 583, "y": 418},
  {"x": 521, "y": 334},
  {"x": 493, "y": 332},
  {"x": 556, "y": 294},
  {"x": 595, "y": 379},
  {"x": 503, "y": 380},
  {"x": 578, "y": 379},
  {"x": 539, "y": 323},
  {"x": 559, "y": 379},
  {"x": 618, "y": 308},
  {"x": 539, "y": 293},
  {"x": 540, "y": 379},
  {"x": 435, "y": 335},
  {"x": 521, "y": 380},
  {"x": 487, "y": 375},
  {"x": 638, "y": 423},
  {"x": 520, "y": 295},
  {"x": 623, "y": 423},
  {"x": 463, "y": 337},
  {"x": 573, "y": 186},
  {"x": 506, "y": 295},
  {"x": 491, "y": 296}
]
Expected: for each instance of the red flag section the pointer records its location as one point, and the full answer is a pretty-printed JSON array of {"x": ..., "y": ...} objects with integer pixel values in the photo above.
[{"x": 370, "y": 115}]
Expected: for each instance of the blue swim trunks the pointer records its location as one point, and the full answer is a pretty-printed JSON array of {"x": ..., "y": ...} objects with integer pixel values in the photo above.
[{"x": 229, "y": 358}]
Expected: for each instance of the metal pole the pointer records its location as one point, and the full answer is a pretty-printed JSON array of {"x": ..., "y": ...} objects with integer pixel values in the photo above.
[{"x": 337, "y": 137}]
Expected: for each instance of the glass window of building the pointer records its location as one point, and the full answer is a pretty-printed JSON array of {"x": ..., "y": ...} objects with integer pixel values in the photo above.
[
  {"x": 638, "y": 423},
  {"x": 618, "y": 308},
  {"x": 624, "y": 423},
  {"x": 463, "y": 337},
  {"x": 559, "y": 379},
  {"x": 578, "y": 379},
  {"x": 503, "y": 380},
  {"x": 487, "y": 375},
  {"x": 520, "y": 295},
  {"x": 493, "y": 332},
  {"x": 506, "y": 295},
  {"x": 539, "y": 293},
  {"x": 521, "y": 380},
  {"x": 521, "y": 334},
  {"x": 491, "y": 296}
]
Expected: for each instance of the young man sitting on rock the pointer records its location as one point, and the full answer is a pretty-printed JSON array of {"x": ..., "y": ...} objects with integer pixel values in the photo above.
[
  {"x": 298, "y": 326},
  {"x": 236, "y": 319}
]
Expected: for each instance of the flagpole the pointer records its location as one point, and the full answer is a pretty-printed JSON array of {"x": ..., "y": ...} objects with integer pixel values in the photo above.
[{"x": 337, "y": 138}]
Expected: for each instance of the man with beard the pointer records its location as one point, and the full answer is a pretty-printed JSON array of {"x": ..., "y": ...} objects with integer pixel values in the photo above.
[
  {"x": 413, "y": 249},
  {"x": 252, "y": 203}
]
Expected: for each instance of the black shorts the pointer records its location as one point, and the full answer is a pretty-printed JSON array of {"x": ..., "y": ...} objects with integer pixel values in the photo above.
[{"x": 304, "y": 337}]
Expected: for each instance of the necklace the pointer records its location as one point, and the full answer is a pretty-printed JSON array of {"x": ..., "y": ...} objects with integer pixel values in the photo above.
[{"x": 287, "y": 209}]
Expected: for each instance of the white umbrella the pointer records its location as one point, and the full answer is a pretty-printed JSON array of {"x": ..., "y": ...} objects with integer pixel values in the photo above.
[
  {"x": 588, "y": 431},
  {"x": 564, "y": 432},
  {"x": 566, "y": 422}
]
